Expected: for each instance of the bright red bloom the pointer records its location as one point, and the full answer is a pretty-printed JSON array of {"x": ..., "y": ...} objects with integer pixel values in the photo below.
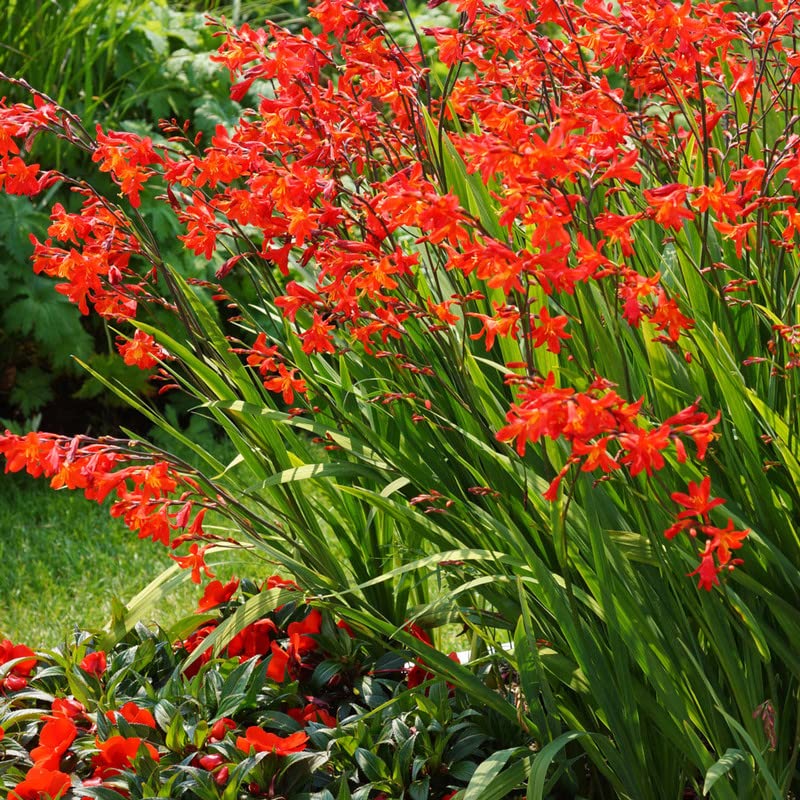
[
  {"x": 55, "y": 738},
  {"x": 216, "y": 594},
  {"x": 117, "y": 754},
  {"x": 301, "y": 632},
  {"x": 698, "y": 501},
  {"x": 67, "y": 707},
  {"x": 195, "y": 561},
  {"x": 17, "y": 677},
  {"x": 644, "y": 449},
  {"x": 279, "y": 663},
  {"x": 142, "y": 351},
  {"x": 312, "y": 713},
  {"x": 254, "y": 640},
  {"x": 723, "y": 540},
  {"x": 133, "y": 714},
  {"x": 220, "y": 728},
  {"x": 277, "y": 582},
  {"x": 94, "y": 663},
  {"x": 41, "y": 782},
  {"x": 261, "y": 741},
  {"x": 708, "y": 571},
  {"x": 669, "y": 203},
  {"x": 286, "y": 383},
  {"x": 504, "y": 322},
  {"x": 549, "y": 331}
]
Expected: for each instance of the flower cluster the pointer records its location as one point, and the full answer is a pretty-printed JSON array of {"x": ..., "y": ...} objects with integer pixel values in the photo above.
[
  {"x": 377, "y": 209},
  {"x": 144, "y": 491},
  {"x": 716, "y": 554}
]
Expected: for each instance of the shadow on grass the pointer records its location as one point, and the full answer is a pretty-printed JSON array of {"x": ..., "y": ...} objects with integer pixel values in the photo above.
[{"x": 63, "y": 559}]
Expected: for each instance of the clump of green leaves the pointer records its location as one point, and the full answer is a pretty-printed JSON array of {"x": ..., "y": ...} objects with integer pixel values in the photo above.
[{"x": 132, "y": 721}]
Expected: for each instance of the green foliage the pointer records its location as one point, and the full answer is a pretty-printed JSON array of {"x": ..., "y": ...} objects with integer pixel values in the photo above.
[
  {"x": 389, "y": 495},
  {"x": 358, "y": 728}
]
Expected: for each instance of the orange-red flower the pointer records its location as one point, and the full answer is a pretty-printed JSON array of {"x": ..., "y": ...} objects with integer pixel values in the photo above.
[
  {"x": 134, "y": 714},
  {"x": 261, "y": 741},
  {"x": 142, "y": 351},
  {"x": 698, "y": 502},
  {"x": 118, "y": 753},
  {"x": 16, "y": 678},
  {"x": 55, "y": 738},
  {"x": 94, "y": 663},
  {"x": 41, "y": 782}
]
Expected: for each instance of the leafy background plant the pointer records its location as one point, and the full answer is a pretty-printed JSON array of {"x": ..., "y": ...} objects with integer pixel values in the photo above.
[{"x": 126, "y": 65}]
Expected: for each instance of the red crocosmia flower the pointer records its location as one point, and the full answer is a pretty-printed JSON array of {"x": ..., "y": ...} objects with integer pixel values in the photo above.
[
  {"x": 708, "y": 571},
  {"x": 286, "y": 383},
  {"x": 723, "y": 540},
  {"x": 550, "y": 331},
  {"x": 196, "y": 560},
  {"x": 94, "y": 663},
  {"x": 668, "y": 203},
  {"x": 312, "y": 713},
  {"x": 346, "y": 628},
  {"x": 56, "y": 736},
  {"x": 698, "y": 502},
  {"x": 133, "y": 714},
  {"x": 117, "y": 754},
  {"x": 220, "y": 728},
  {"x": 142, "y": 351},
  {"x": 263, "y": 742},
  {"x": 17, "y": 676},
  {"x": 217, "y": 593},
  {"x": 41, "y": 782}
]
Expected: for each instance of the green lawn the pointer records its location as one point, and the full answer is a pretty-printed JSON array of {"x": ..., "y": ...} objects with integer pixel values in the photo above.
[{"x": 63, "y": 558}]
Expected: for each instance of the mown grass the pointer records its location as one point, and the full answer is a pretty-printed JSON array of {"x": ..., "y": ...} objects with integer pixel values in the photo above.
[{"x": 62, "y": 561}]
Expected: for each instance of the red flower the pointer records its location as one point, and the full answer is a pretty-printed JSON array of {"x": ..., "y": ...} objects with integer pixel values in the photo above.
[
  {"x": 698, "y": 502},
  {"x": 723, "y": 540},
  {"x": 263, "y": 742},
  {"x": 707, "y": 571},
  {"x": 216, "y": 594},
  {"x": 56, "y": 736},
  {"x": 278, "y": 664},
  {"x": 17, "y": 676},
  {"x": 41, "y": 782},
  {"x": 133, "y": 714},
  {"x": 312, "y": 713},
  {"x": 254, "y": 640},
  {"x": 196, "y": 560},
  {"x": 211, "y": 761},
  {"x": 117, "y": 754},
  {"x": 94, "y": 663},
  {"x": 220, "y": 728},
  {"x": 67, "y": 707},
  {"x": 142, "y": 351}
]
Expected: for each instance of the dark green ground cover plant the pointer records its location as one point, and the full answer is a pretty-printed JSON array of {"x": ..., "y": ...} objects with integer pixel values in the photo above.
[
  {"x": 335, "y": 720},
  {"x": 521, "y": 307}
]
